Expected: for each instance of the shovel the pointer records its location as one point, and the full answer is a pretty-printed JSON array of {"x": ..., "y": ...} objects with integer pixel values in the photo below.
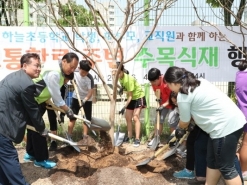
[
  {"x": 56, "y": 137},
  {"x": 174, "y": 149},
  {"x": 93, "y": 124},
  {"x": 88, "y": 123},
  {"x": 146, "y": 161},
  {"x": 160, "y": 151},
  {"x": 156, "y": 139},
  {"x": 119, "y": 136},
  {"x": 65, "y": 133},
  {"x": 79, "y": 101}
]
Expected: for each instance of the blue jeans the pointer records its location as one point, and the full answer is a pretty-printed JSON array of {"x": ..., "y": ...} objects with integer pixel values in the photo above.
[{"x": 10, "y": 168}]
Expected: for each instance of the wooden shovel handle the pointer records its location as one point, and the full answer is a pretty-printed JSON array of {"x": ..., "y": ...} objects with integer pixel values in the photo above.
[
  {"x": 167, "y": 145},
  {"x": 49, "y": 134},
  {"x": 157, "y": 94},
  {"x": 78, "y": 97},
  {"x": 164, "y": 147},
  {"x": 53, "y": 107}
]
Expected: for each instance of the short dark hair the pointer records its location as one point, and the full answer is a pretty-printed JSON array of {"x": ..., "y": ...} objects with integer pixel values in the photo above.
[
  {"x": 172, "y": 95},
  {"x": 122, "y": 67},
  {"x": 242, "y": 65},
  {"x": 26, "y": 58},
  {"x": 70, "y": 76},
  {"x": 85, "y": 65},
  {"x": 153, "y": 74},
  {"x": 70, "y": 56}
]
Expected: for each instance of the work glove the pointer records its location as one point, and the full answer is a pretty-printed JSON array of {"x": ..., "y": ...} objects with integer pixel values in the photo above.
[
  {"x": 190, "y": 127},
  {"x": 61, "y": 118},
  {"x": 160, "y": 108},
  {"x": 44, "y": 133},
  {"x": 171, "y": 144},
  {"x": 120, "y": 92},
  {"x": 179, "y": 133},
  {"x": 82, "y": 103},
  {"x": 158, "y": 100},
  {"x": 122, "y": 110},
  {"x": 69, "y": 113}
]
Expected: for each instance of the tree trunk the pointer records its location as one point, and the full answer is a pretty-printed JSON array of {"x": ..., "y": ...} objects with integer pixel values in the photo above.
[{"x": 112, "y": 118}]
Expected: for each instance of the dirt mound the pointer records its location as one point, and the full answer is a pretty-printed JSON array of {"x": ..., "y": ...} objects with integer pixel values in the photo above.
[
  {"x": 92, "y": 158},
  {"x": 101, "y": 163}
]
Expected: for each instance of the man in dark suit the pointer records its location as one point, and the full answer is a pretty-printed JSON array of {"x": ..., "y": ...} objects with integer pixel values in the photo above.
[{"x": 17, "y": 107}]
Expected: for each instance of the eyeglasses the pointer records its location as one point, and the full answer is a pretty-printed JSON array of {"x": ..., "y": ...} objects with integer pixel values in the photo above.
[{"x": 35, "y": 65}]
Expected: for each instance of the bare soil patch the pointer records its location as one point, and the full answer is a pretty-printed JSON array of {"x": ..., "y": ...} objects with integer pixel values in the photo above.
[{"x": 100, "y": 163}]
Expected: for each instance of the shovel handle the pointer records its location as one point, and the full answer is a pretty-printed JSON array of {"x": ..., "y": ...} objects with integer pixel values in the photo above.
[
  {"x": 183, "y": 138},
  {"x": 50, "y": 135},
  {"x": 157, "y": 94},
  {"x": 78, "y": 97},
  {"x": 61, "y": 110},
  {"x": 79, "y": 101},
  {"x": 164, "y": 147}
]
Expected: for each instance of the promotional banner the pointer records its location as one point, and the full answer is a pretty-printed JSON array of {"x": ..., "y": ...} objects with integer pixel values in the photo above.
[{"x": 206, "y": 51}]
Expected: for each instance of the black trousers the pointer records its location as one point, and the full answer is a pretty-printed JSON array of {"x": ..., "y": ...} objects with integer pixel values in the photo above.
[
  {"x": 190, "y": 157},
  {"x": 51, "y": 114},
  {"x": 52, "y": 117},
  {"x": 37, "y": 144}
]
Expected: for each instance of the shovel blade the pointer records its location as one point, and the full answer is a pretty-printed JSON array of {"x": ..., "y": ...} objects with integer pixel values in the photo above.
[
  {"x": 69, "y": 139},
  {"x": 155, "y": 143},
  {"x": 99, "y": 124},
  {"x": 146, "y": 161},
  {"x": 118, "y": 138},
  {"x": 71, "y": 143},
  {"x": 170, "y": 152},
  {"x": 75, "y": 147}
]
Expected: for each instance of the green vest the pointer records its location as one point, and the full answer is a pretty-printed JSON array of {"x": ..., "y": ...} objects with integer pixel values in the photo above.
[{"x": 42, "y": 92}]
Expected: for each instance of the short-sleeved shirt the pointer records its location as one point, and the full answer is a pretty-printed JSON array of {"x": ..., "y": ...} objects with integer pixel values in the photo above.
[
  {"x": 241, "y": 91},
  {"x": 130, "y": 84},
  {"x": 84, "y": 84},
  {"x": 212, "y": 110},
  {"x": 164, "y": 91}
]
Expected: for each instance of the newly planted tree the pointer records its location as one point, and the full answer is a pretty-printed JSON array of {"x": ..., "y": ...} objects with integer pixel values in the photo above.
[{"x": 132, "y": 11}]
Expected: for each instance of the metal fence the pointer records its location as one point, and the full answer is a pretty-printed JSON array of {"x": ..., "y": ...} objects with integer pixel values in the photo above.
[
  {"x": 180, "y": 14},
  {"x": 101, "y": 103}
]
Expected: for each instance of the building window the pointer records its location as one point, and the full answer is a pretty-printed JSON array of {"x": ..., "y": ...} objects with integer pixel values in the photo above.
[
  {"x": 111, "y": 19},
  {"x": 111, "y": 13},
  {"x": 111, "y": 6}
]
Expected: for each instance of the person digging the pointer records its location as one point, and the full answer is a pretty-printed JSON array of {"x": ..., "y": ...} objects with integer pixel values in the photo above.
[{"x": 85, "y": 85}]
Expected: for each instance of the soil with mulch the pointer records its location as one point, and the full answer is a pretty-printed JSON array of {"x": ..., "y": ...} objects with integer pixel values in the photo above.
[{"x": 102, "y": 163}]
